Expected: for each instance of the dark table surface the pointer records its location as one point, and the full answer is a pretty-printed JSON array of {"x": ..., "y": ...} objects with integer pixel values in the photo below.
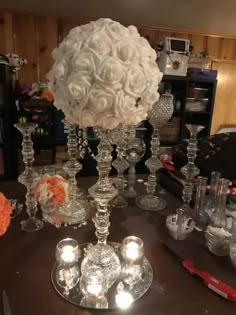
[{"x": 26, "y": 260}]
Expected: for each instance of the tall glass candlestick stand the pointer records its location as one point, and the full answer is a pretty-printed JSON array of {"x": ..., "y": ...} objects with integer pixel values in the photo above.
[
  {"x": 28, "y": 177},
  {"x": 181, "y": 224},
  {"x": 103, "y": 255},
  {"x": 76, "y": 210},
  {"x": 158, "y": 116},
  {"x": 190, "y": 170},
  {"x": 118, "y": 137}
]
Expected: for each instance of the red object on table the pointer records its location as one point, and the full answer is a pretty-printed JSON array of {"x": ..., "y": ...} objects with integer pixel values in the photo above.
[
  {"x": 216, "y": 285},
  {"x": 210, "y": 281}
]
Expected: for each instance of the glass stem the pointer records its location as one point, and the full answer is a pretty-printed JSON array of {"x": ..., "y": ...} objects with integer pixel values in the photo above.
[
  {"x": 153, "y": 162},
  {"x": 72, "y": 167},
  {"x": 103, "y": 191},
  {"x": 188, "y": 185},
  {"x": 131, "y": 178},
  {"x": 120, "y": 180},
  {"x": 28, "y": 159}
]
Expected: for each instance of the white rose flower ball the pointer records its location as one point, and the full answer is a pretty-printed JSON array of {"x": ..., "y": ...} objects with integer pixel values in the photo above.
[{"x": 104, "y": 75}]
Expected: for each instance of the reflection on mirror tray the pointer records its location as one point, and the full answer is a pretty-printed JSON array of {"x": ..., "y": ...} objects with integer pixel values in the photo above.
[{"x": 90, "y": 289}]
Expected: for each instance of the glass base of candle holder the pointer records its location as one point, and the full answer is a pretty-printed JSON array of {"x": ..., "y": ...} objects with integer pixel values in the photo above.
[
  {"x": 131, "y": 194},
  {"x": 31, "y": 225},
  {"x": 75, "y": 212},
  {"x": 75, "y": 296},
  {"x": 150, "y": 203},
  {"x": 119, "y": 202}
]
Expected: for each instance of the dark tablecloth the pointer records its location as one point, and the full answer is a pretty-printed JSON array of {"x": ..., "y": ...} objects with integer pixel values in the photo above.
[{"x": 26, "y": 260}]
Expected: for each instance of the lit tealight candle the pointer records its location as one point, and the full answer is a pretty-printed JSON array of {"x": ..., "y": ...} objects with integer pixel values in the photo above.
[
  {"x": 124, "y": 299},
  {"x": 67, "y": 254},
  {"x": 132, "y": 249},
  {"x": 67, "y": 251},
  {"x": 93, "y": 283},
  {"x": 94, "y": 288}
]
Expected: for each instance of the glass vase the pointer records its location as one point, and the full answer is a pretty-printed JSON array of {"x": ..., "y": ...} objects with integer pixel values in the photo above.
[
  {"x": 158, "y": 116},
  {"x": 28, "y": 177},
  {"x": 232, "y": 248},
  {"x": 217, "y": 235},
  {"x": 102, "y": 254},
  {"x": 181, "y": 224},
  {"x": 212, "y": 197},
  {"x": 134, "y": 154},
  {"x": 76, "y": 210},
  {"x": 199, "y": 213}
]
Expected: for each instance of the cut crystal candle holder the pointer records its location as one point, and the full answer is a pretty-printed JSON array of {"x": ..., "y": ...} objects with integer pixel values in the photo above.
[
  {"x": 132, "y": 252},
  {"x": 93, "y": 284},
  {"x": 158, "y": 116},
  {"x": 68, "y": 271},
  {"x": 28, "y": 177}
]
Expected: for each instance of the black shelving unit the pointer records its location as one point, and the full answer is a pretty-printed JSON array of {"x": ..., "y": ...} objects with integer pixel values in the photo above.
[
  {"x": 186, "y": 91},
  {"x": 8, "y": 152}
]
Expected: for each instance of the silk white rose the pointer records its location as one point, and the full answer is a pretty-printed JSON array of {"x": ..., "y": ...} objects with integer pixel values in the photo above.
[{"x": 104, "y": 74}]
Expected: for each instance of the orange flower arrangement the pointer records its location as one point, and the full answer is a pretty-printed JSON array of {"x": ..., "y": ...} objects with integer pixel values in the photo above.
[
  {"x": 51, "y": 189},
  {"x": 5, "y": 213},
  {"x": 47, "y": 95}
]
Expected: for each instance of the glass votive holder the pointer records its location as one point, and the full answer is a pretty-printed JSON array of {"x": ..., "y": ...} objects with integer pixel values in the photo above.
[
  {"x": 93, "y": 283},
  {"x": 132, "y": 249},
  {"x": 232, "y": 253},
  {"x": 218, "y": 240},
  {"x": 123, "y": 298},
  {"x": 68, "y": 272},
  {"x": 179, "y": 226},
  {"x": 131, "y": 274},
  {"x": 67, "y": 252}
]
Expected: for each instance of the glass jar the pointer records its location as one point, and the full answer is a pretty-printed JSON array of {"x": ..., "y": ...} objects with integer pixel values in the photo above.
[
  {"x": 199, "y": 214},
  {"x": 212, "y": 197},
  {"x": 217, "y": 235}
]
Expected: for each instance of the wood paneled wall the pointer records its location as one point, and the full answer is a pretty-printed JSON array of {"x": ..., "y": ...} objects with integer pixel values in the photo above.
[
  {"x": 225, "y": 102},
  {"x": 33, "y": 37}
]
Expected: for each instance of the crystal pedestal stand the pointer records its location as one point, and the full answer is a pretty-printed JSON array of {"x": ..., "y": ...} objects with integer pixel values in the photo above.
[
  {"x": 103, "y": 255},
  {"x": 190, "y": 170},
  {"x": 28, "y": 177},
  {"x": 158, "y": 116},
  {"x": 118, "y": 136},
  {"x": 181, "y": 224},
  {"x": 76, "y": 210}
]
